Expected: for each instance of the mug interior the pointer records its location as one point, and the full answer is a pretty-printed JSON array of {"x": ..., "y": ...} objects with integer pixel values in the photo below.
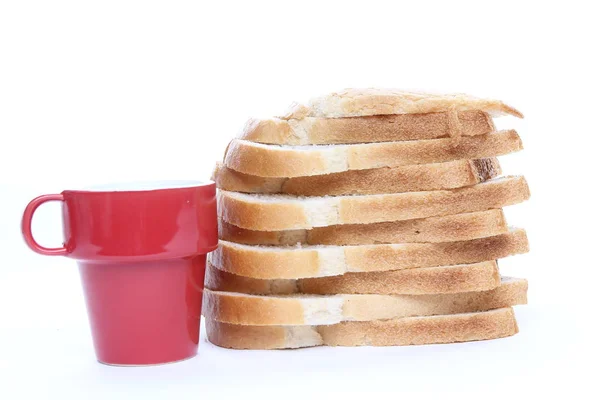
[{"x": 140, "y": 186}]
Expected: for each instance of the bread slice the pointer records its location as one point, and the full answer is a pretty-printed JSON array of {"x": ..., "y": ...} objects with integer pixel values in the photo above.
[
  {"x": 433, "y": 280},
  {"x": 408, "y": 178},
  {"x": 269, "y": 262},
  {"x": 377, "y": 128},
  {"x": 293, "y": 161},
  {"x": 249, "y": 309},
  {"x": 448, "y": 228},
  {"x": 393, "y": 332},
  {"x": 283, "y": 212},
  {"x": 362, "y": 102}
]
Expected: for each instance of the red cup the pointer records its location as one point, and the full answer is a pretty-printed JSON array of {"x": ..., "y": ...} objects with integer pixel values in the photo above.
[{"x": 141, "y": 254}]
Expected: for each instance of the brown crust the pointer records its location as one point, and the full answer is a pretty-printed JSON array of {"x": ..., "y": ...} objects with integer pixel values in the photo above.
[
  {"x": 485, "y": 168},
  {"x": 219, "y": 280},
  {"x": 362, "y": 102},
  {"x": 448, "y": 228},
  {"x": 369, "y": 129},
  {"x": 245, "y": 157},
  {"x": 233, "y": 233},
  {"x": 248, "y": 309},
  {"x": 251, "y": 212},
  {"x": 246, "y": 261},
  {"x": 251, "y": 310},
  {"x": 434, "y": 151},
  {"x": 245, "y": 336},
  {"x": 288, "y": 161},
  {"x": 511, "y": 292},
  {"x": 234, "y": 181},
  {"x": 496, "y": 193},
  {"x": 396, "y": 332},
  {"x": 408, "y": 178},
  {"x": 241, "y": 213},
  {"x": 294, "y": 262},
  {"x": 414, "y": 255},
  {"x": 273, "y": 131},
  {"x": 417, "y": 281},
  {"x": 422, "y": 330}
]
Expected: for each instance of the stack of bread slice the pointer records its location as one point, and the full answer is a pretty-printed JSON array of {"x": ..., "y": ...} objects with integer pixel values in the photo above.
[{"x": 366, "y": 217}]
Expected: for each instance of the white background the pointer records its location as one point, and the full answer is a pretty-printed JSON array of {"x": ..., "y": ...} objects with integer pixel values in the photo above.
[{"x": 94, "y": 92}]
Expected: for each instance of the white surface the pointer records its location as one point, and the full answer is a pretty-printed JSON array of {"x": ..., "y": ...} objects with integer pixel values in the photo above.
[{"x": 94, "y": 92}]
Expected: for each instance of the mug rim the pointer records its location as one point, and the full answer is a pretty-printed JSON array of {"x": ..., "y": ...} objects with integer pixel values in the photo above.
[{"x": 142, "y": 186}]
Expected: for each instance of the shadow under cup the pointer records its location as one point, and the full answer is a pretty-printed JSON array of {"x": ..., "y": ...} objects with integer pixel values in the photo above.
[{"x": 141, "y": 256}]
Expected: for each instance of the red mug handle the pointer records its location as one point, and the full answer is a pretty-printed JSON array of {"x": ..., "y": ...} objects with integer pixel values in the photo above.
[{"x": 26, "y": 226}]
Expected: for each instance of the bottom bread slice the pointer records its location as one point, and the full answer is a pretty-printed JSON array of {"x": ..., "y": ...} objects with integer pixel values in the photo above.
[{"x": 394, "y": 332}]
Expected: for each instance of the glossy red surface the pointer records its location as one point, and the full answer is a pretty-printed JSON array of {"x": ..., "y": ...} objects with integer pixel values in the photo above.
[
  {"x": 141, "y": 257},
  {"x": 145, "y": 312}
]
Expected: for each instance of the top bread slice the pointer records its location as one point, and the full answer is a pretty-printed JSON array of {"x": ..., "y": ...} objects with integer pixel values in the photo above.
[
  {"x": 369, "y": 129},
  {"x": 294, "y": 161},
  {"x": 364, "y": 102}
]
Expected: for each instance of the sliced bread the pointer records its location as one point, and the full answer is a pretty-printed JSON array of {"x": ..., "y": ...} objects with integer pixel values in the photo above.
[
  {"x": 362, "y": 102},
  {"x": 432, "y": 280},
  {"x": 408, "y": 178},
  {"x": 294, "y": 161},
  {"x": 393, "y": 332},
  {"x": 448, "y": 228},
  {"x": 294, "y": 262},
  {"x": 249, "y": 309},
  {"x": 377, "y": 128},
  {"x": 283, "y": 212}
]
